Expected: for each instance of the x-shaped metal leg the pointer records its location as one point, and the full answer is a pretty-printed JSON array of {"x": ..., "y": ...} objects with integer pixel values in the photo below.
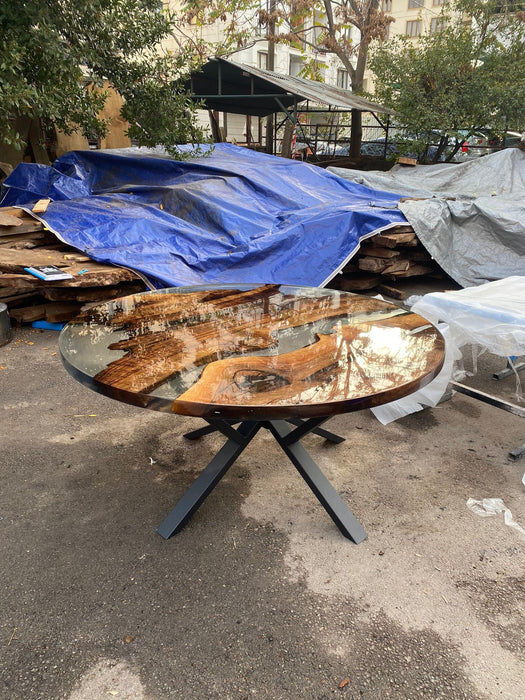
[
  {"x": 207, "y": 429},
  {"x": 208, "y": 479},
  {"x": 317, "y": 481},
  {"x": 288, "y": 438}
]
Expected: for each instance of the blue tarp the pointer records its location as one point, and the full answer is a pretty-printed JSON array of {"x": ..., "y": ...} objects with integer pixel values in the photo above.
[{"x": 235, "y": 215}]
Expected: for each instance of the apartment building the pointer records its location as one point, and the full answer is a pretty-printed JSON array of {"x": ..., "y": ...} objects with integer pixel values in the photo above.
[{"x": 414, "y": 17}]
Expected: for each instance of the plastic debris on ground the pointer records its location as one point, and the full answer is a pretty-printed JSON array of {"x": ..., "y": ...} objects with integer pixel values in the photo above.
[{"x": 495, "y": 506}]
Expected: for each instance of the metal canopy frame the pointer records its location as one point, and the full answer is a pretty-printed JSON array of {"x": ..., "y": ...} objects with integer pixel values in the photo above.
[{"x": 241, "y": 89}]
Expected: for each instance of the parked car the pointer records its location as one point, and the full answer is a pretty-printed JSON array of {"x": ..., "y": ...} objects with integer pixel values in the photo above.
[{"x": 483, "y": 142}]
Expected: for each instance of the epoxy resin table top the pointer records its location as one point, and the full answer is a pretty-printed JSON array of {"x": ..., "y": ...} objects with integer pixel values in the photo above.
[{"x": 251, "y": 351}]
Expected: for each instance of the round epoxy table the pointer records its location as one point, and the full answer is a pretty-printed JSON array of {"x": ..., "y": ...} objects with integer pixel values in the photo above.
[{"x": 246, "y": 357}]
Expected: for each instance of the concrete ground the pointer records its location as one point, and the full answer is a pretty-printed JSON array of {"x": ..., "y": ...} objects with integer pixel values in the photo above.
[{"x": 259, "y": 596}]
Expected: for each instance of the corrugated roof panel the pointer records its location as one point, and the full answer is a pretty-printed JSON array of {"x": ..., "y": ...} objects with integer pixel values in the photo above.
[
  {"x": 236, "y": 87},
  {"x": 315, "y": 91}
]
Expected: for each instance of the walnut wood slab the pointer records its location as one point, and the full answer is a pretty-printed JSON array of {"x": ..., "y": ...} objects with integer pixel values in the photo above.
[{"x": 248, "y": 351}]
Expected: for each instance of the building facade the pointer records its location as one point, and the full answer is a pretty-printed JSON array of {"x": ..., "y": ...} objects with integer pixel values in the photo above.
[{"x": 287, "y": 60}]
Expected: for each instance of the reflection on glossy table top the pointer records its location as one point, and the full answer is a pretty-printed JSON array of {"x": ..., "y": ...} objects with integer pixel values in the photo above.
[{"x": 247, "y": 351}]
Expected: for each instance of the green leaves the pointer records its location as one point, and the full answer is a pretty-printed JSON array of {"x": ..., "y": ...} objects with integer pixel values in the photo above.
[
  {"x": 466, "y": 77},
  {"x": 54, "y": 52}
]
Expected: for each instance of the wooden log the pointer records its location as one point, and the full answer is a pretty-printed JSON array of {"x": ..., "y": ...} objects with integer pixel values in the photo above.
[
  {"x": 413, "y": 271},
  {"x": 353, "y": 283},
  {"x": 372, "y": 264},
  {"x": 391, "y": 240},
  {"x": 391, "y": 292},
  {"x": 376, "y": 251},
  {"x": 399, "y": 265}
]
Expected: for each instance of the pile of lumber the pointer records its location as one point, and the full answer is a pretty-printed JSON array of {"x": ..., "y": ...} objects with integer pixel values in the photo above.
[
  {"x": 385, "y": 258},
  {"x": 24, "y": 242}
]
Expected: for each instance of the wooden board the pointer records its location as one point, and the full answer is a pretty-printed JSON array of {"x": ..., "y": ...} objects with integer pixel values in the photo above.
[
  {"x": 356, "y": 282},
  {"x": 27, "y": 226},
  {"x": 12, "y": 260},
  {"x": 391, "y": 292},
  {"x": 372, "y": 264},
  {"x": 391, "y": 240},
  {"x": 7, "y": 219},
  {"x": 379, "y": 252},
  {"x": 398, "y": 265},
  {"x": 414, "y": 271},
  {"x": 89, "y": 294}
]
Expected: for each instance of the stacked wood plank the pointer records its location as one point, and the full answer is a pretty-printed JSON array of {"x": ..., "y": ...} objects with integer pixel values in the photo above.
[
  {"x": 385, "y": 258},
  {"x": 24, "y": 242}
]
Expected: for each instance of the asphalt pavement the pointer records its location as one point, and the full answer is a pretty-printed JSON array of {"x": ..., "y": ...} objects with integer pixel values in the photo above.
[{"x": 259, "y": 596}]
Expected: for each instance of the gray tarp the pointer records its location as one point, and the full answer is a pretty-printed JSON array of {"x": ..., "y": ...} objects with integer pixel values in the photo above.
[{"x": 477, "y": 237}]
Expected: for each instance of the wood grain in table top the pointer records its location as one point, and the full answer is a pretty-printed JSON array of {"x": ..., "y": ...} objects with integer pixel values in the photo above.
[
  {"x": 172, "y": 334},
  {"x": 343, "y": 367}
]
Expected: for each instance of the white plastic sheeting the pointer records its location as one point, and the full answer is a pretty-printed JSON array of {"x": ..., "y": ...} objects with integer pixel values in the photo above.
[
  {"x": 472, "y": 215},
  {"x": 491, "y": 315}
]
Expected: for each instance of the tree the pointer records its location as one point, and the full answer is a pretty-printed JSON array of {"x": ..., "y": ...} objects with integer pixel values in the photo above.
[
  {"x": 466, "y": 77},
  {"x": 56, "y": 55},
  {"x": 344, "y": 28}
]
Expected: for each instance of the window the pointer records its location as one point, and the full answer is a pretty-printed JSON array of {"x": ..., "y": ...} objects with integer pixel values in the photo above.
[
  {"x": 437, "y": 2},
  {"x": 437, "y": 24},
  {"x": 262, "y": 60},
  {"x": 413, "y": 4},
  {"x": 342, "y": 78},
  {"x": 414, "y": 28},
  {"x": 296, "y": 65},
  {"x": 386, "y": 5}
]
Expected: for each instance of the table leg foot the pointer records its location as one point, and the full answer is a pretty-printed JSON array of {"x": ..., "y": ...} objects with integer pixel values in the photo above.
[
  {"x": 517, "y": 453},
  {"x": 207, "y": 480},
  {"x": 331, "y": 501}
]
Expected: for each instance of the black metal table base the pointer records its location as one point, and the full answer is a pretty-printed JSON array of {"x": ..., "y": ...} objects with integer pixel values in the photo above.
[{"x": 288, "y": 438}]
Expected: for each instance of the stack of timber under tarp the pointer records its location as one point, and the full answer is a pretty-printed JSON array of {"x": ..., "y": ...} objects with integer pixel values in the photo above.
[
  {"x": 24, "y": 242},
  {"x": 385, "y": 258}
]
